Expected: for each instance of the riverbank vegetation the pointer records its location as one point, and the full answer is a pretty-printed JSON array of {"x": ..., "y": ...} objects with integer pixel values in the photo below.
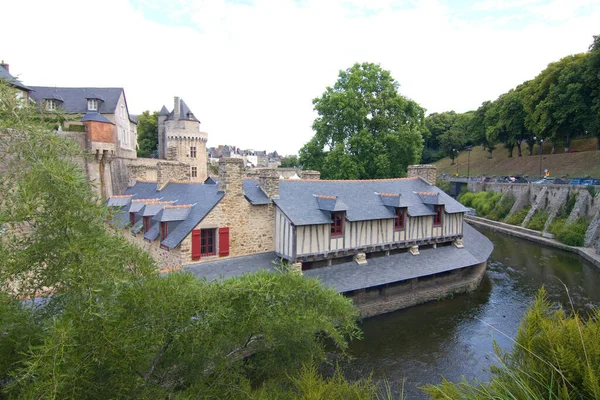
[
  {"x": 555, "y": 356},
  {"x": 491, "y": 205},
  {"x": 85, "y": 314}
]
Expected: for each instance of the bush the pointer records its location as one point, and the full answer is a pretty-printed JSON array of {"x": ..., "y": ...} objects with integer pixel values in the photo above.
[
  {"x": 574, "y": 234},
  {"x": 557, "y": 225},
  {"x": 555, "y": 357},
  {"x": 482, "y": 202},
  {"x": 538, "y": 220},
  {"x": 518, "y": 217},
  {"x": 502, "y": 208}
]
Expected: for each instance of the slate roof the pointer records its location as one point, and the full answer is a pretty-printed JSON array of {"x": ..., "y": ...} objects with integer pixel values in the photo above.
[
  {"x": 153, "y": 232},
  {"x": 119, "y": 201},
  {"x": 74, "y": 100},
  {"x": 184, "y": 113},
  {"x": 253, "y": 193},
  {"x": 201, "y": 198},
  {"x": 94, "y": 116},
  {"x": 163, "y": 111},
  {"x": 349, "y": 276},
  {"x": 330, "y": 203},
  {"x": 362, "y": 199},
  {"x": 4, "y": 74}
]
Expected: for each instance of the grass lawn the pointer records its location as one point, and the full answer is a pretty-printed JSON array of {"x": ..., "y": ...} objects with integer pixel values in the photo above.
[{"x": 586, "y": 161}]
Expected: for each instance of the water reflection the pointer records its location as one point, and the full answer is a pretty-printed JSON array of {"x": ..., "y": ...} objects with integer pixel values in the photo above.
[{"x": 453, "y": 338}]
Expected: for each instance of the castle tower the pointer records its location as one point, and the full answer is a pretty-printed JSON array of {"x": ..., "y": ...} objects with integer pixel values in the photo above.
[
  {"x": 183, "y": 140},
  {"x": 162, "y": 139}
]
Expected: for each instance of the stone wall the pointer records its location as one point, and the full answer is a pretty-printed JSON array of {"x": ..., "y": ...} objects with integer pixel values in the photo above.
[
  {"x": 167, "y": 171},
  {"x": 165, "y": 259},
  {"x": 396, "y": 296},
  {"x": 268, "y": 181},
  {"x": 251, "y": 228},
  {"x": 550, "y": 198},
  {"x": 310, "y": 175},
  {"x": 425, "y": 171}
]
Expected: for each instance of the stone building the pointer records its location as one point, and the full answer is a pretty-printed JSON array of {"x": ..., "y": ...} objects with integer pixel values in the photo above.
[
  {"x": 307, "y": 221},
  {"x": 5, "y": 74},
  {"x": 180, "y": 139}
]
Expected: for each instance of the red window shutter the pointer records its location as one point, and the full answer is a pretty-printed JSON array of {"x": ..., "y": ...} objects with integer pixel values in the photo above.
[
  {"x": 223, "y": 242},
  {"x": 196, "y": 244}
]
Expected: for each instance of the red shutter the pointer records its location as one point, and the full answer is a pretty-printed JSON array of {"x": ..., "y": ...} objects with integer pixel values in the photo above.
[
  {"x": 223, "y": 242},
  {"x": 196, "y": 244}
]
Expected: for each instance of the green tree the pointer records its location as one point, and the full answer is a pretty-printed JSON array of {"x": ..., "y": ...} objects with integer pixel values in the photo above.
[
  {"x": 365, "y": 129},
  {"x": 592, "y": 83},
  {"x": 147, "y": 133},
  {"x": 478, "y": 129},
  {"x": 437, "y": 124},
  {"x": 289, "y": 162},
  {"x": 114, "y": 328}
]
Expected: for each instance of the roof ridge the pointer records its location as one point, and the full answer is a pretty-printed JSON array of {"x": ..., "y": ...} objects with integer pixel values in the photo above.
[
  {"x": 322, "y": 196},
  {"x": 412, "y": 178},
  {"x": 179, "y": 206},
  {"x": 160, "y": 202},
  {"x": 146, "y": 180},
  {"x": 120, "y": 196},
  {"x": 389, "y": 194},
  {"x": 428, "y": 193},
  {"x": 144, "y": 200}
]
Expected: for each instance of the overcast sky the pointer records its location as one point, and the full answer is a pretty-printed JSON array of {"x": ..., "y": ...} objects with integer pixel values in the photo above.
[{"x": 249, "y": 69}]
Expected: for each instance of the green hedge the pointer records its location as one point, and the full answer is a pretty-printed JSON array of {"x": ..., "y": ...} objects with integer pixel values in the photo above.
[{"x": 488, "y": 204}]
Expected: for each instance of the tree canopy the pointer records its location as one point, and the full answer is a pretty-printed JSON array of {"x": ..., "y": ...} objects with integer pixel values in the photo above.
[
  {"x": 562, "y": 102},
  {"x": 365, "y": 129},
  {"x": 147, "y": 134},
  {"x": 108, "y": 325}
]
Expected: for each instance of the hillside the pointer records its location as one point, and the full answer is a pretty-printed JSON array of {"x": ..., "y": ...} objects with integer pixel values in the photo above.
[{"x": 585, "y": 161}]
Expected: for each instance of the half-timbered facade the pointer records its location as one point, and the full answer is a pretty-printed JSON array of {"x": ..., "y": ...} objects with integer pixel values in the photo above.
[
  {"x": 316, "y": 220},
  {"x": 302, "y": 221}
]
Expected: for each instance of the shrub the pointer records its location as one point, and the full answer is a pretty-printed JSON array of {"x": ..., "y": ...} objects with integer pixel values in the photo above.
[
  {"x": 574, "y": 234},
  {"x": 502, "y": 208},
  {"x": 556, "y": 356},
  {"x": 538, "y": 220},
  {"x": 557, "y": 225},
  {"x": 482, "y": 202},
  {"x": 518, "y": 217}
]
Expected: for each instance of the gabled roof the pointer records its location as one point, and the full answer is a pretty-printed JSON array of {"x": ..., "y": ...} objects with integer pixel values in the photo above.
[
  {"x": 193, "y": 199},
  {"x": 4, "y": 74},
  {"x": 253, "y": 193},
  {"x": 330, "y": 203},
  {"x": 363, "y": 200},
  {"x": 184, "y": 113},
  {"x": 119, "y": 201},
  {"x": 153, "y": 232},
  {"x": 94, "y": 116}
]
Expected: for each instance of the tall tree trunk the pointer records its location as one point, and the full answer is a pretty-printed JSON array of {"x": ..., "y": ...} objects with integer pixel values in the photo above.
[
  {"x": 490, "y": 152},
  {"x": 519, "y": 152}
]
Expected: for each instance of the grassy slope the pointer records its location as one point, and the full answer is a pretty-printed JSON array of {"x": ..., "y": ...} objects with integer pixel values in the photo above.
[{"x": 585, "y": 162}]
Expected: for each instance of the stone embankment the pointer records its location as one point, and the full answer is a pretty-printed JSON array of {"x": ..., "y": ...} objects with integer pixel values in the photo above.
[
  {"x": 589, "y": 254},
  {"x": 550, "y": 199}
]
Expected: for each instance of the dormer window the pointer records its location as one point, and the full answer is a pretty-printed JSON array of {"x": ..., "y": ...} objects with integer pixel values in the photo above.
[
  {"x": 146, "y": 224},
  {"x": 164, "y": 230},
  {"x": 400, "y": 218},
  {"x": 92, "y": 104},
  {"x": 337, "y": 224},
  {"x": 190, "y": 116},
  {"x": 51, "y": 104},
  {"x": 437, "y": 218}
]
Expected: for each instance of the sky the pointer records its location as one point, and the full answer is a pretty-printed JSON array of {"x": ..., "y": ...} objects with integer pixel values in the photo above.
[{"x": 249, "y": 69}]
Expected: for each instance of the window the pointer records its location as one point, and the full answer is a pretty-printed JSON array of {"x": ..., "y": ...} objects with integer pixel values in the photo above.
[
  {"x": 125, "y": 141},
  {"x": 399, "y": 221},
  {"x": 207, "y": 242},
  {"x": 194, "y": 172},
  {"x": 146, "y": 224},
  {"x": 337, "y": 225},
  {"x": 437, "y": 218},
  {"x": 132, "y": 218},
  {"x": 51, "y": 104},
  {"x": 164, "y": 230},
  {"x": 92, "y": 105},
  {"x": 122, "y": 111},
  {"x": 193, "y": 151}
]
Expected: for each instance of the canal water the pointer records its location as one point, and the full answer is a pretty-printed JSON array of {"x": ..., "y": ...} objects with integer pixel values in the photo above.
[{"x": 454, "y": 337}]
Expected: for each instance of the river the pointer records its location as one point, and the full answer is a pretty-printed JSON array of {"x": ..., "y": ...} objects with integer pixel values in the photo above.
[{"x": 454, "y": 337}]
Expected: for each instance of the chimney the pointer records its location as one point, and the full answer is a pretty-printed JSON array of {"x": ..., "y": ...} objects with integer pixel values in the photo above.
[
  {"x": 311, "y": 175},
  {"x": 268, "y": 181},
  {"x": 5, "y": 66},
  {"x": 177, "y": 108},
  {"x": 426, "y": 171},
  {"x": 231, "y": 176}
]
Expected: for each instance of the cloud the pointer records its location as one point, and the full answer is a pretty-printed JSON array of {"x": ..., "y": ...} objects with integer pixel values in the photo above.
[{"x": 250, "y": 69}]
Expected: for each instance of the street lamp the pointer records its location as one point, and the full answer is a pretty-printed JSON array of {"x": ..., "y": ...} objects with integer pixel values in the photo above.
[
  {"x": 541, "y": 151},
  {"x": 468, "y": 149},
  {"x": 456, "y": 159}
]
